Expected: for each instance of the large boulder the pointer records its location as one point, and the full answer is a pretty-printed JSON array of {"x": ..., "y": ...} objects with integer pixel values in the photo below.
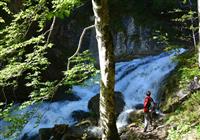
[
  {"x": 136, "y": 116},
  {"x": 78, "y": 133},
  {"x": 65, "y": 132},
  {"x": 93, "y": 104}
]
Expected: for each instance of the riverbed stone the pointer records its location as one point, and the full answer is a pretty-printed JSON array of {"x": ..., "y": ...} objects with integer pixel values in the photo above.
[
  {"x": 93, "y": 104},
  {"x": 79, "y": 115}
]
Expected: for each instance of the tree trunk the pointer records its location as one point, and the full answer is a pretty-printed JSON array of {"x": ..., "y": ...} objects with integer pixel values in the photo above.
[
  {"x": 106, "y": 57},
  {"x": 198, "y": 1}
]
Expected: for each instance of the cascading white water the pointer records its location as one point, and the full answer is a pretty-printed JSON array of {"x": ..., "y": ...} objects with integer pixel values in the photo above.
[{"x": 133, "y": 79}]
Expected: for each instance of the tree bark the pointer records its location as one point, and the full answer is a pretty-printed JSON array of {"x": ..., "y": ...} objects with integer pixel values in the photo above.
[
  {"x": 106, "y": 57},
  {"x": 198, "y": 1}
]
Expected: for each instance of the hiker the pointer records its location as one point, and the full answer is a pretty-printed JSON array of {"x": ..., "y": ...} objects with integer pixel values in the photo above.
[{"x": 148, "y": 110}]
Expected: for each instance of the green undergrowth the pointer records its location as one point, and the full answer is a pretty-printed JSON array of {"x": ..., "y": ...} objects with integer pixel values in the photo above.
[
  {"x": 183, "y": 119},
  {"x": 180, "y": 78}
]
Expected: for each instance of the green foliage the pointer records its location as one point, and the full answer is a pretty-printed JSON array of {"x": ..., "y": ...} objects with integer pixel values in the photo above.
[
  {"x": 161, "y": 37},
  {"x": 198, "y": 130},
  {"x": 4, "y": 7},
  {"x": 15, "y": 120},
  {"x": 62, "y": 8},
  {"x": 185, "y": 17},
  {"x": 20, "y": 56},
  {"x": 188, "y": 68},
  {"x": 180, "y": 78},
  {"x": 83, "y": 69},
  {"x": 23, "y": 59},
  {"x": 185, "y": 119}
]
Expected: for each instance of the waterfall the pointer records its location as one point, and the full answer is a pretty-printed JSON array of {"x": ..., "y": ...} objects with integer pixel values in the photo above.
[
  {"x": 133, "y": 79},
  {"x": 136, "y": 77}
]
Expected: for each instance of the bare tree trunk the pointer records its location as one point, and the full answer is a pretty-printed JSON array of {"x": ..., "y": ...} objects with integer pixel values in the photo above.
[
  {"x": 199, "y": 55},
  {"x": 198, "y": 1},
  {"x": 79, "y": 45},
  {"x": 106, "y": 57},
  {"x": 192, "y": 24},
  {"x": 193, "y": 33}
]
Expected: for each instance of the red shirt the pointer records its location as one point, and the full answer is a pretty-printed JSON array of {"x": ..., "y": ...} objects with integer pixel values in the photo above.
[{"x": 147, "y": 103}]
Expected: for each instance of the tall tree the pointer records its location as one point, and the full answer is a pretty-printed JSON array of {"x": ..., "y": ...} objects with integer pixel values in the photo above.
[
  {"x": 106, "y": 57},
  {"x": 198, "y": 7}
]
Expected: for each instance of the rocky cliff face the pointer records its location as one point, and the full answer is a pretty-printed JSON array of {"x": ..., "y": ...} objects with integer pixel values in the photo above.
[
  {"x": 135, "y": 40},
  {"x": 130, "y": 41}
]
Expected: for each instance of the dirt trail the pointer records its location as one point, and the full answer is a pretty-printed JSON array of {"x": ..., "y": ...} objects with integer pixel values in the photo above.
[{"x": 157, "y": 131}]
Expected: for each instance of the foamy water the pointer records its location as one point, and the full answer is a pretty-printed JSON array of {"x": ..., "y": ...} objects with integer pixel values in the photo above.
[{"x": 133, "y": 79}]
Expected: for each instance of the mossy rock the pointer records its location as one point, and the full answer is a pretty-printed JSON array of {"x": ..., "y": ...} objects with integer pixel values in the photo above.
[{"x": 136, "y": 117}]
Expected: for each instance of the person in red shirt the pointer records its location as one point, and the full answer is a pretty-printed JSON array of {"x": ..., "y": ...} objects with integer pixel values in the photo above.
[{"x": 147, "y": 110}]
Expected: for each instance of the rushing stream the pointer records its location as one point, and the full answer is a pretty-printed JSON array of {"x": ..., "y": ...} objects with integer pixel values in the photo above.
[{"x": 133, "y": 79}]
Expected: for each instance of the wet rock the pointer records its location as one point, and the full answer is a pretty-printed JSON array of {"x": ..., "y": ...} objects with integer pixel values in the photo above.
[
  {"x": 61, "y": 94},
  {"x": 64, "y": 132},
  {"x": 194, "y": 84},
  {"x": 139, "y": 106},
  {"x": 54, "y": 133},
  {"x": 78, "y": 133},
  {"x": 45, "y": 133},
  {"x": 59, "y": 130},
  {"x": 134, "y": 40},
  {"x": 93, "y": 104},
  {"x": 27, "y": 137},
  {"x": 79, "y": 115},
  {"x": 136, "y": 116}
]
